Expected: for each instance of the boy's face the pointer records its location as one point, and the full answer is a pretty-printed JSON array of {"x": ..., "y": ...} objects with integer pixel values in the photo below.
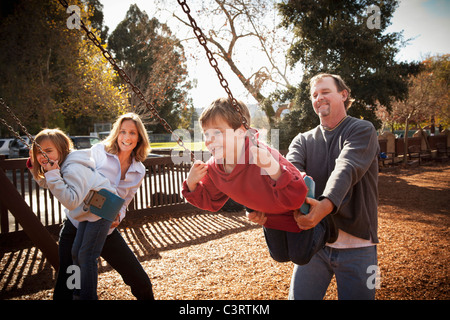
[{"x": 222, "y": 140}]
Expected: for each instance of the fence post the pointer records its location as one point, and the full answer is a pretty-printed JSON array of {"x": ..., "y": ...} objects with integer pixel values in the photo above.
[{"x": 13, "y": 201}]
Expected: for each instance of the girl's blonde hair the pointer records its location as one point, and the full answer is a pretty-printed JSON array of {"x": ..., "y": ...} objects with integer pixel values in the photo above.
[
  {"x": 222, "y": 107},
  {"x": 142, "y": 149},
  {"x": 63, "y": 145}
]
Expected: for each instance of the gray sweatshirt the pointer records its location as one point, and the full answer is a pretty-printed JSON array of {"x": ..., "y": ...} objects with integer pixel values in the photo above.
[{"x": 344, "y": 165}]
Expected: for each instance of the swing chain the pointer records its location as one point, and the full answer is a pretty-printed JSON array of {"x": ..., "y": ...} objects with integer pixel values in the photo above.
[
  {"x": 212, "y": 61},
  {"x": 24, "y": 129},
  {"x": 154, "y": 113}
]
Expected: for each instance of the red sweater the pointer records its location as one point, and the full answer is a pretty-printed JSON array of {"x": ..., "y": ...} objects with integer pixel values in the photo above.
[{"x": 247, "y": 186}]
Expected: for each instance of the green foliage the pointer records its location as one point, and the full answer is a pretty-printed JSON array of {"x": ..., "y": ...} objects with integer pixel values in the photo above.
[
  {"x": 333, "y": 36},
  {"x": 155, "y": 62},
  {"x": 51, "y": 75}
]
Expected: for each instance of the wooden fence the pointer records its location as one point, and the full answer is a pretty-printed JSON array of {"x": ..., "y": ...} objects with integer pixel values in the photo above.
[
  {"x": 161, "y": 188},
  {"x": 160, "y": 191}
]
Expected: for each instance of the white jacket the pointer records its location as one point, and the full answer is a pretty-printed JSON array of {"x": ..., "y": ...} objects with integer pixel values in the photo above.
[
  {"x": 71, "y": 184},
  {"x": 108, "y": 164}
]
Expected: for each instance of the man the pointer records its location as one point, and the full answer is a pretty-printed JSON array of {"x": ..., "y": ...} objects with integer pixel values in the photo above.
[{"x": 341, "y": 156}]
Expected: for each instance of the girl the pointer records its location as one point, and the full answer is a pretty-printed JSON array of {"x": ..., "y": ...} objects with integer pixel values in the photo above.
[{"x": 72, "y": 178}]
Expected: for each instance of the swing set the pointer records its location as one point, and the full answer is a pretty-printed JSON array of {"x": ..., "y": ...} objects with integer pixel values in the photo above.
[{"x": 14, "y": 201}]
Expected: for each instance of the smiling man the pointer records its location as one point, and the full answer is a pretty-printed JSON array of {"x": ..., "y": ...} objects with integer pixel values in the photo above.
[{"x": 340, "y": 155}]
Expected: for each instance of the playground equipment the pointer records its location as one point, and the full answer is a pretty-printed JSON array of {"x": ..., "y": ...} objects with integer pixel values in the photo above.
[{"x": 12, "y": 200}]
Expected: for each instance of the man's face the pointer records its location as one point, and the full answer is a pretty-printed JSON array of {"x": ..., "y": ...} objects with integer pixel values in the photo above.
[{"x": 326, "y": 98}]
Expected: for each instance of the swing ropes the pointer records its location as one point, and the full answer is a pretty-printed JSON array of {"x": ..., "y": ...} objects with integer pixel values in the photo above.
[{"x": 154, "y": 113}]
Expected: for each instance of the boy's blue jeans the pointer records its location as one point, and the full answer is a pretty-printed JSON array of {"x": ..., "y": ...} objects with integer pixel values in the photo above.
[
  {"x": 86, "y": 250},
  {"x": 298, "y": 247},
  {"x": 351, "y": 267}
]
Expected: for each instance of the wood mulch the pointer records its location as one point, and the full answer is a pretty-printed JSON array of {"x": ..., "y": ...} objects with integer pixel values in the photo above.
[{"x": 211, "y": 256}]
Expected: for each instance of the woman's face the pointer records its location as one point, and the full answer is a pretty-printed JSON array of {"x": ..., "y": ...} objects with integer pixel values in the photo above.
[{"x": 128, "y": 136}]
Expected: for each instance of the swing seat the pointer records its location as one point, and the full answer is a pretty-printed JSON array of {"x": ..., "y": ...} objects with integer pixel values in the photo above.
[{"x": 104, "y": 204}]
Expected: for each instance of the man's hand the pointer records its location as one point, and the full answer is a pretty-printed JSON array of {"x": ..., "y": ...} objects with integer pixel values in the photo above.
[
  {"x": 317, "y": 211},
  {"x": 257, "y": 217},
  {"x": 196, "y": 174}
]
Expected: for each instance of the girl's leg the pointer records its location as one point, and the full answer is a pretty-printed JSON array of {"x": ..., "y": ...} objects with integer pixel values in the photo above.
[{"x": 93, "y": 240}]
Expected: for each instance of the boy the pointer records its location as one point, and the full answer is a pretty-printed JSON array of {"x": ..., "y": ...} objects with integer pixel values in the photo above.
[{"x": 257, "y": 177}]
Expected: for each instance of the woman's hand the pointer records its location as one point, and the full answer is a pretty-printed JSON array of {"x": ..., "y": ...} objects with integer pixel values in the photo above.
[
  {"x": 198, "y": 170},
  {"x": 116, "y": 222}
]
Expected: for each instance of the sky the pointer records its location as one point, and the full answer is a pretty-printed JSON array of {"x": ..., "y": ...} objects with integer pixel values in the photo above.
[{"x": 425, "y": 22}]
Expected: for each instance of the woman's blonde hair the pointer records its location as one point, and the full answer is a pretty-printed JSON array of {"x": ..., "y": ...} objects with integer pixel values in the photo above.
[
  {"x": 142, "y": 149},
  {"x": 62, "y": 142},
  {"x": 222, "y": 107}
]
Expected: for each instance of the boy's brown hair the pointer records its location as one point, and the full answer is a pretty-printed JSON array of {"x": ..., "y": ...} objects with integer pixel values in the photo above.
[{"x": 223, "y": 108}]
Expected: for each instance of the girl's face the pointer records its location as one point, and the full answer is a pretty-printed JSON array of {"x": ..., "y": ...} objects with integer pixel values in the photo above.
[
  {"x": 128, "y": 136},
  {"x": 50, "y": 149}
]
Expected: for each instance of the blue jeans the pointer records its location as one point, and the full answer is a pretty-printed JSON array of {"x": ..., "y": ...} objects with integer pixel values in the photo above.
[
  {"x": 351, "y": 267},
  {"x": 115, "y": 251},
  {"x": 86, "y": 249},
  {"x": 298, "y": 247}
]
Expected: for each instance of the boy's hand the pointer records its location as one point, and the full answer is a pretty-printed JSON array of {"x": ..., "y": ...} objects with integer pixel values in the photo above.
[
  {"x": 257, "y": 217},
  {"x": 198, "y": 170},
  {"x": 264, "y": 159}
]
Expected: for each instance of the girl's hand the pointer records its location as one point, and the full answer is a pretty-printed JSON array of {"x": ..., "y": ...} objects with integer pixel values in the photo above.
[
  {"x": 198, "y": 170},
  {"x": 50, "y": 165},
  {"x": 264, "y": 159}
]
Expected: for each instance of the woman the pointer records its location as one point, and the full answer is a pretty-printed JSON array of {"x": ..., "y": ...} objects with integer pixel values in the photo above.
[{"x": 119, "y": 158}]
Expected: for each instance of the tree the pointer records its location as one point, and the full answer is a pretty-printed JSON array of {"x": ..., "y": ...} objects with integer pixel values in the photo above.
[
  {"x": 51, "y": 75},
  {"x": 337, "y": 37},
  {"x": 231, "y": 25},
  {"x": 428, "y": 97},
  {"x": 154, "y": 60}
]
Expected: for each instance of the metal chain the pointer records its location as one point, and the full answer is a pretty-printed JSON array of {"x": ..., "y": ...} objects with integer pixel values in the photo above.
[
  {"x": 24, "y": 129},
  {"x": 212, "y": 61},
  {"x": 126, "y": 78}
]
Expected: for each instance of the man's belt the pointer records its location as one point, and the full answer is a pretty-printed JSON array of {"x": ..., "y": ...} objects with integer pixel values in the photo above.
[{"x": 103, "y": 203}]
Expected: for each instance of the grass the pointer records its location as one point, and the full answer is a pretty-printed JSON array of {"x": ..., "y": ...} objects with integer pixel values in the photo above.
[{"x": 194, "y": 146}]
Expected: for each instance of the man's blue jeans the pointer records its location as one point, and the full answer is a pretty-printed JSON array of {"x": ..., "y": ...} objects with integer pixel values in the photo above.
[{"x": 351, "y": 267}]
